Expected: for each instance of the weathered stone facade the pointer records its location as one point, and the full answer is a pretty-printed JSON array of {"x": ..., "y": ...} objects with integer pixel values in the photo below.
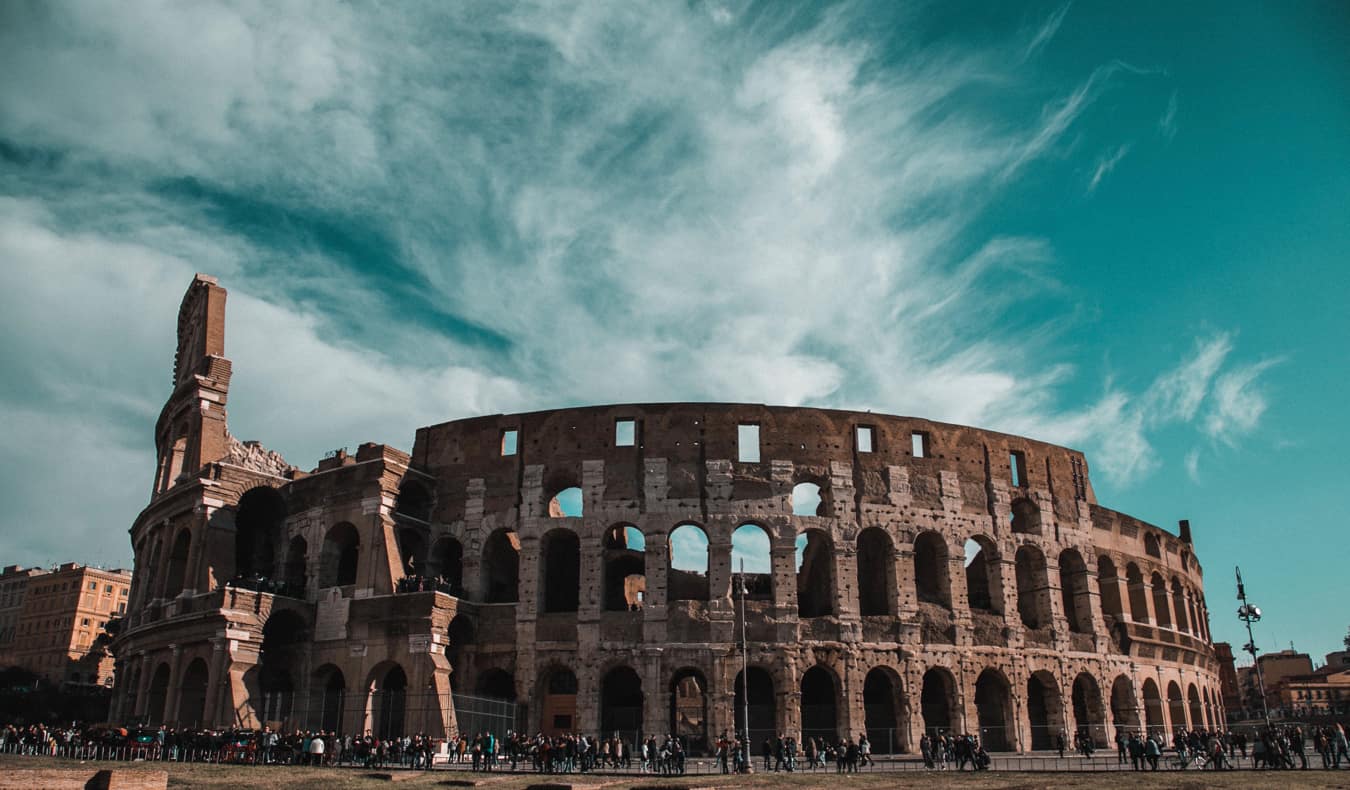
[{"x": 1070, "y": 616}]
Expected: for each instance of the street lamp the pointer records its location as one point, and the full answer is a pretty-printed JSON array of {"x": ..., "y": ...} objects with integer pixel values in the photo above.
[
  {"x": 1249, "y": 614},
  {"x": 745, "y": 676}
]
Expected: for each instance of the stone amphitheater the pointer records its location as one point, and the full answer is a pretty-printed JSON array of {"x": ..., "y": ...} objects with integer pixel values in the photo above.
[{"x": 580, "y": 570}]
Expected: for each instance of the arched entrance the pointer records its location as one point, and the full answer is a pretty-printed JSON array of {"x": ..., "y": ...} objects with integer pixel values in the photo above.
[
  {"x": 621, "y": 704},
  {"x": 178, "y": 561},
  {"x": 1176, "y": 707},
  {"x": 993, "y": 704},
  {"x": 560, "y": 571},
  {"x": 339, "y": 557},
  {"x": 689, "y": 709},
  {"x": 1124, "y": 712},
  {"x": 501, "y": 567},
  {"x": 259, "y": 526},
  {"x": 815, "y": 574},
  {"x": 884, "y": 714},
  {"x": 1044, "y": 710},
  {"x": 876, "y": 574},
  {"x": 1153, "y": 708},
  {"x": 763, "y": 705},
  {"x": 820, "y": 714},
  {"x": 625, "y": 577},
  {"x": 389, "y": 700},
  {"x": 283, "y": 647},
  {"x": 558, "y": 701},
  {"x": 1197, "y": 710},
  {"x": 157, "y": 695},
  {"x": 938, "y": 701},
  {"x": 192, "y": 695},
  {"x": 446, "y": 565},
  {"x": 1088, "y": 716},
  {"x": 328, "y": 695}
]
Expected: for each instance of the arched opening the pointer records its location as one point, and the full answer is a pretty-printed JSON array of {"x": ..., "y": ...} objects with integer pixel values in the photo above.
[
  {"x": 560, "y": 571},
  {"x": 567, "y": 503},
  {"x": 1153, "y": 707},
  {"x": 1074, "y": 591},
  {"x": 458, "y": 636},
  {"x": 501, "y": 567},
  {"x": 877, "y": 595},
  {"x": 1033, "y": 599},
  {"x": 414, "y": 501},
  {"x": 157, "y": 695},
  {"x": 806, "y": 499},
  {"x": 259, "y": 526},
  {"x": 993, "y": 704},
  {"x": 328, "y": 694},
  {"x": 412, "y": 546},
  {"x": 558, "y": 701},
  {"x": 1026, "y": 517},
  {"x": 1134, "y": 579},
  {"x": 1044, "y": 710},
  {"x": 938, "y": 701},
  {"x": 1176, "y": 706},
  {"x": 152, "y": 574},
  {"x": 296, "y": 557},
  {"x": 389, "y": 700},
  {"x": 1179, "y": 605},
  {"x": 1151, "y": 547},
  {"x": 750, "y": 550},
  {"x": 1108, "y": 586},
  {"x": 285, "y": 638},
  {"x": 1160, "y": 608},
  {"x": 984, "y": 579},
  {"x": 445, "y": 565},
  {"x": 1197, "y": 710},
  {"x": 339, "y": 557},
  {"x": 177, "y": 456},
  {"x": 1124, "y": 712},
  {"x": 192, "y": 695},
  {"x": 621, "y": 704},
  {"x": 625, "y": 568},
  {"x": 687, "y": 564},
  {"x": 1089, "y": 718},
  {"x": 820, "y": 713},
  {"x": 815, "y": 574},
  {"x": 689, "y": 709},
  {"x": 763, "y": 705},
  {"x": 1195, "y": 617},
  {"x": 178, "y": 561},
  {"x": 496, "y": 684},
  {"x": 884, "y": 714},
  {"x": 932, "y": 581}
]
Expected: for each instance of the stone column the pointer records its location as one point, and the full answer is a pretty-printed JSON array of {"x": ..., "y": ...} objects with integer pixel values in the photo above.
[
  {"x": 719, "y": 569},
  {"x": 143, "y": 686},
  {"x": 215, "y": 682},
  {"x": 174, "y": 693}
]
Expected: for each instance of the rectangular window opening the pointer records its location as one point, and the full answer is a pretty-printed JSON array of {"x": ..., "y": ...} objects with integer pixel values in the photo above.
[
  {"x": 747, "y": 436},
  {"x": 1017, "y": 461},
  {"x": 864, "y": 439},
  {"x": 509, "y": 441},
  {"x": 918, "y": 441},
  {"x": 625, "y": 433}
]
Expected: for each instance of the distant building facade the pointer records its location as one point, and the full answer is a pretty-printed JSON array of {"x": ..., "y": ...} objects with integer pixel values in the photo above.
[
  {"x": 62, "y": 615},
  {"x": 13, "y": 590}
]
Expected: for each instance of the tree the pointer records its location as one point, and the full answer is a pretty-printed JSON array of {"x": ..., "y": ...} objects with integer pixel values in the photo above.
[{"x": 1347, "y": 639}]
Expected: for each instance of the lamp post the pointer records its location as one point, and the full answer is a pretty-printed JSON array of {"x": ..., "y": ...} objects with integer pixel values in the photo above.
[
  {"x": 745, "y": 675},
  {"x": 1249, "y": 614}
]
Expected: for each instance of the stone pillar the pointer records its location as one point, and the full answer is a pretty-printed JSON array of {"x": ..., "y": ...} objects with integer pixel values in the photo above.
[
  {"x": 1058, "y": 622},
  {"x": 719, "y": 569},
  {"x": 782, "y": 564},
  {"x": 215, "y": 681},
  {"x": 143, "y": 686},
  {"x": 656, "y": 694},
  {"x": 588, "y": 699},
  {"x": 846, "y": 590},
  {"x": 174, "y": 693},
  {"x": 908, "y": 603}
]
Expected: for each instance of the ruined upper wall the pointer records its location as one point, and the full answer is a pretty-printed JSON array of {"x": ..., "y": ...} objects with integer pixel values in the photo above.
[{"x": 689, "y": 435}]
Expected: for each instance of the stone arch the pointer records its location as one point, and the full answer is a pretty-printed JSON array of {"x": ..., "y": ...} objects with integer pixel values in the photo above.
[
  {"x": 152, "y": 574},
  {"x": 816, "y": 589},
  {"x": 1026, "y": 517},
  {"x": 1089, "y": 716},
  {"x": 446, "y": 564},
  {"x": 1151, "y": 545},
  {"x": 621, "y": 703},
  {"x": 687, "y": 563},
  {"x": 689, "y": 708},
  {"x": 984, "y": 577},
  {"x": 328, "y": 698},
  {"x": 285, "y": 640},
  {"x": 1153, "y": 707},
  {"x": 820, "y": 703},
  {"x": 1044, "y": 710},
  {"x": 414, "y": 501},
  {"x": 1194, "y": 613},
  {"x": 259, "y": 526},
  {"x": 1179, "y": 605},
  {"x": 192, "y": 694},
  {"x": 885, "y": 711},
  {"x": 459, "y": 635},
  {"x": 752, "y": 545},
  {"x": 1176, "y": 706},
  {"x": 1075, "y": 591},
  {"x": 1033, "y": 583},
  {"x": 178, "y": 563},
  {"x": 1134, "y": 578},
  {"x": 496, "y": 683},
  {"x": 938, "y": 701},
  {"x": 932, "y": 578},
  {"x": 625, "y": 568},
  {"x": 157, "y": 695},
  {"x": 412, "y": 548},
  {"x": 877, "y": 594},
  {"x": 993, "y": 706},
  {"x": 557, "y": 700},
  {"x": 559, "y": 571},
  {"x": 388, "y": 685},
  {"x": 1160, "y": 608},
  {"x": 338, "y": 561},
  {"x": 1197, "y": 709},
  {"x": 1108, "y": 586},
  {"x": 1124, "y": 711},
  {"x": 294, "y": 575},
  {"x": 501, "y": 567},
  {"x": 807, "y": 499},
  {"x": 566, "y": 503},
  {"x": 763, "y": 703}
]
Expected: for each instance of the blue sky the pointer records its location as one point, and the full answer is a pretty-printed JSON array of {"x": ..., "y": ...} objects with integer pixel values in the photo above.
[{"x": 1121, "y": 232}]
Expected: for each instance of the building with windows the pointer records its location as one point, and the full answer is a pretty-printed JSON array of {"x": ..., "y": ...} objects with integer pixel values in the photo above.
[
  {"x": 589, "y": 569},
  {"x": 63, "y": 614},
  {"x": 13, "y": 590}
]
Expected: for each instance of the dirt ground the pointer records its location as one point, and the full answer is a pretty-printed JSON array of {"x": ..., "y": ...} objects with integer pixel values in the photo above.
[{"x": 217, "y": 777}]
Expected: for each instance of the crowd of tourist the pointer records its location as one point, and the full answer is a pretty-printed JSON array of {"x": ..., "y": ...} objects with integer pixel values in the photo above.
[
  {"x": 943, "y": 750},
  {"x": 1275, "y": 747}
]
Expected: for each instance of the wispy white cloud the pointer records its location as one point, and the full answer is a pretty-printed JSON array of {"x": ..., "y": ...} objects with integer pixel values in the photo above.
[
  {"x": 1167, "y": 124},
  {"x": 1239, "y": 401},
  {"x": 1105, "y": 165},
  {"x": 1046, "y": 32},
  {"x": 1192, "y": 463}
]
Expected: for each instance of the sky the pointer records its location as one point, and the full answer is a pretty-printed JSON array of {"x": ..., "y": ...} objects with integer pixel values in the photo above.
[{"x": 1120, "y": 230}]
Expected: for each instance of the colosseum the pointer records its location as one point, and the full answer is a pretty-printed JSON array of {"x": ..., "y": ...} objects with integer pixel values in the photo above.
[{"x": 650, "y": 569}]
